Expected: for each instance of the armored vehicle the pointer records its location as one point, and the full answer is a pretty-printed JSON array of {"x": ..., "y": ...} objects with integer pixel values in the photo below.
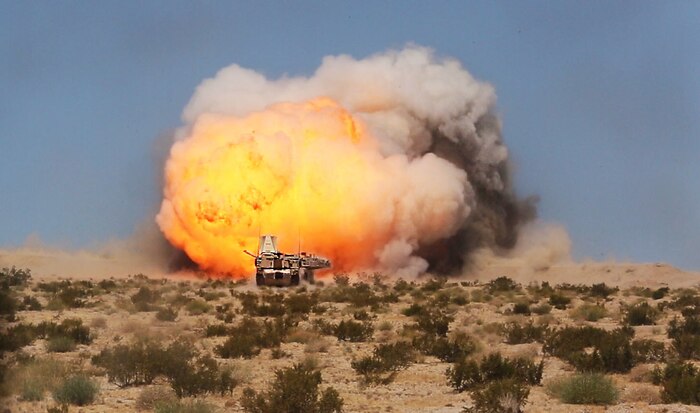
[{"x": 273, "y": 267}]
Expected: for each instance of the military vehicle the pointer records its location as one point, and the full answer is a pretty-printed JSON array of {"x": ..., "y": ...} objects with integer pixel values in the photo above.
[{"x": 273, "y": 267}]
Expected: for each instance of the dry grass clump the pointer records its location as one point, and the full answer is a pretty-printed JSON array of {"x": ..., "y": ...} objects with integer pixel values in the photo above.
[
  {"x": 641, "y": 373},
  {"x": 541, "y": 309},
  {"x": 31, "y": 381},
  {"x": 319, "y": 345},
  {"x": 60, "y": 344},
  {"x": 99, "y": 323},
  {"x": 301, "y": 335},
  {"x": 385, "y": 326},
  {"x": 152, "y": 396},
  {"x": 641, "y": 393},
  {"x": 198, "y": 307},
  {"x": 584, "y": 388},
  {"x": 166, "y": 314},
  {"x": 125, "y": 304},
  {"x": 135, "y": 327},
  {"x": 589, "y": 312}
]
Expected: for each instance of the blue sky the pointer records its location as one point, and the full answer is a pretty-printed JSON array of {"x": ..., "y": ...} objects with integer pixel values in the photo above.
[{"x": 600, "y": 103}]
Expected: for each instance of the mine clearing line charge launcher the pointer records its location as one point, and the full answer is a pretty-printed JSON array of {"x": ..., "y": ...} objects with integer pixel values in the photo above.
[{"x": 273, "y": 267}]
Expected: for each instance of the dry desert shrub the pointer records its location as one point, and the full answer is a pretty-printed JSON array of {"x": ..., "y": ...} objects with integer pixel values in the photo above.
[
  {"x": 150, "y": 397},
  {"x": 518, "y": 333},
  {"x": 501, "y": 396},
  {"x": 641, "y": 393},
  {"x": 145, "y": 299},
  {"x": 295, "y": 389},
  {"x": 502, "y": 284},
  {"x": 448, "y": 349},
  {"x": 166, "y": 314},
  {"x": 136, "y": 327},
  {"x": 318, "y": 345},
  {"x": 301, "y": 335},
  {"x": 277, "y": 353},
  {"x": 648, "y": 351},
  {"x": 592, "y": 349},
  {"x": 248, "y": 337},
  {"x": 589, "y": 312},
  {"x": 98, "y": 322},
  {"x": 188, "y": 372},
  {"x": 350, "y": 330},
  {"x": 541, "y": 309},
  {"x": 216, "y": 330},
  {"x": 559, "y": 301},
  {"x": 311, "y": 362},
  {"x": 125, "y": 304},
  {"x": 385, "y": 362},
  {"x": 60, "y": 344},
  {"x": 526, "y": 351},
  {"x": 471, "y": 374},
  {"x": 686, "y": 336},
  {"x": 198, "y": 307},
  {"x": 602, "y": 290},
  {"x": 641, "y": 373},
  {"x": 641, "y": 314},
  {"x": 479, "y": 296},
  {"x": 242, "y": 371},
  {"x": 680, "y": 382},
  {"x": 584, "y": 388},
  {"x": 522, "y": 308},
  {"x": 385, "y": 326},
  {"x": 79, "y": 390},
  {"x": 20, "y": 335}
]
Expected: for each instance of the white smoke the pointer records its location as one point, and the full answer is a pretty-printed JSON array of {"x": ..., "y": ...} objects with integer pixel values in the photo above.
[
  {"x": 404, "y": 96},
  {"x": 422, "y": 109}
]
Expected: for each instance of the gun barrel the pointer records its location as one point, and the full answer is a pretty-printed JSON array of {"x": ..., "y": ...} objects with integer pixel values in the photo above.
[{"x": 250, "y": 253}]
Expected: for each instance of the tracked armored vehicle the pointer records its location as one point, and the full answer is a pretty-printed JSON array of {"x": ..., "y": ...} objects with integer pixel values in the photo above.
[{"x": 273, "y": 267}]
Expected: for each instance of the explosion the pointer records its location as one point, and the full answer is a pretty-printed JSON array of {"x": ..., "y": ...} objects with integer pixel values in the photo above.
[{"x": 392, "y": 163}]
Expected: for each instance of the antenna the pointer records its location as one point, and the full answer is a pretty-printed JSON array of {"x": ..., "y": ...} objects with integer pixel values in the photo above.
[{"x": 259, "y": 231}]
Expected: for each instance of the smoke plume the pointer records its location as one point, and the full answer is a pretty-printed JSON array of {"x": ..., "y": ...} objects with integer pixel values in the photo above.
[{"x": 393, "y": 162}]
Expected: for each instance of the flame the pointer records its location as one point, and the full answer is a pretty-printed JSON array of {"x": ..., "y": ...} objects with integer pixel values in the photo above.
[
  {"x": 291, "y": 170},
  {"x": 307, "y": 172}
]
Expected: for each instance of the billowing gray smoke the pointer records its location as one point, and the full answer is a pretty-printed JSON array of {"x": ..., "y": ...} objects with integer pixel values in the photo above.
[{"x": 414, "y": 103}]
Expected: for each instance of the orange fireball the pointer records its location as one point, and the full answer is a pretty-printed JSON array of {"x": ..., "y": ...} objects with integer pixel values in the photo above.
[{"x": 307, "y": 172}]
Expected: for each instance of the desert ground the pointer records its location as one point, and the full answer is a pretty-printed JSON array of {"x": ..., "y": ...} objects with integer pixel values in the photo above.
[{"x": 642, "y": 317}]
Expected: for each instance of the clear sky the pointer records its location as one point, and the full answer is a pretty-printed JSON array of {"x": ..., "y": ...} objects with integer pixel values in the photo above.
[{"x": 600, "y": 102}]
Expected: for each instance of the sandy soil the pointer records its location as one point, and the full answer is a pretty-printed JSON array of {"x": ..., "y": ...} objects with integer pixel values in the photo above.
[{"x": 420, "y": 388}]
